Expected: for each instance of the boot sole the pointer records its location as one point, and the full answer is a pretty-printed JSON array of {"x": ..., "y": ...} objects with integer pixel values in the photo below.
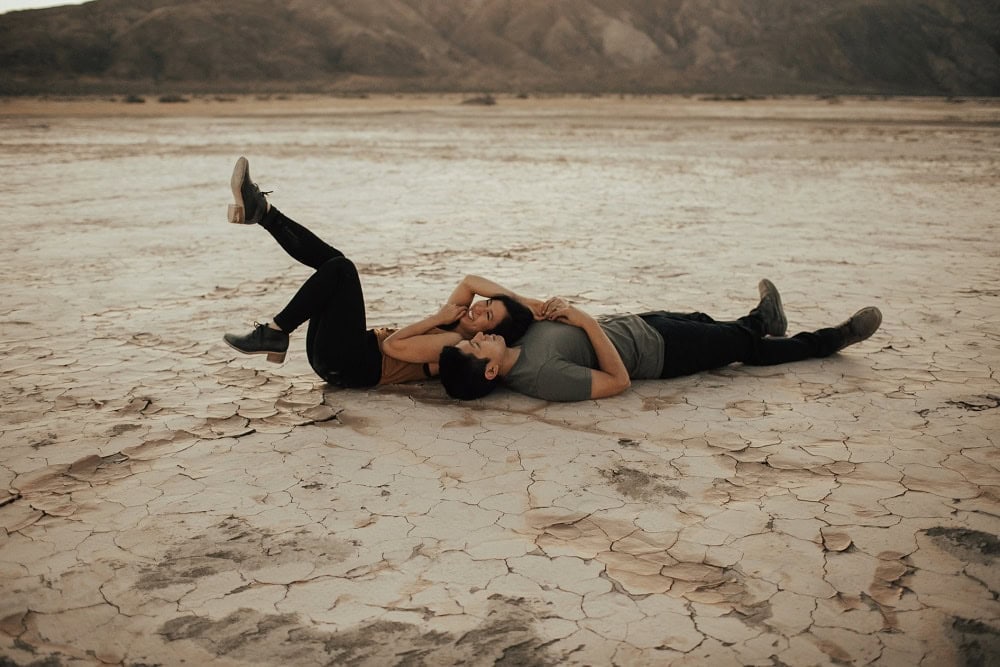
[
  {"x": 236, "y": 213},
  {"x": 871, "y": 313},
  {"x": 273, "y": 357},
  {"x": 874, "y": 317}
]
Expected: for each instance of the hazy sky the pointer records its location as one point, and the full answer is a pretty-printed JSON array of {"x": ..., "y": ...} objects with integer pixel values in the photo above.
[{"x": 10, "y": 5}]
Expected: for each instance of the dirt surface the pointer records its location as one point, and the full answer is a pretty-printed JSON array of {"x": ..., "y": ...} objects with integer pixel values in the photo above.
[{"x": 164, "y": 500}]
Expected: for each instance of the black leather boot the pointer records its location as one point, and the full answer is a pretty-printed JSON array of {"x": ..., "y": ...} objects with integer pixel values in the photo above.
[
  {"x": 262, "y": 340},
  {"x": 250, "y": 205},
  {"x": 769, "y": 310},
  {"x": 860, "y": 326}
]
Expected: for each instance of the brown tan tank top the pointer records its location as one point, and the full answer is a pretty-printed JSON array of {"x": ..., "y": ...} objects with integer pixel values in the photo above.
[{"x": 395, "y": 371}]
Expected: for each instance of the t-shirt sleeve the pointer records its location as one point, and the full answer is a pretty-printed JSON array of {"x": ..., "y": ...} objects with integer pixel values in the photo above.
[{"x": 561, "y": 380}]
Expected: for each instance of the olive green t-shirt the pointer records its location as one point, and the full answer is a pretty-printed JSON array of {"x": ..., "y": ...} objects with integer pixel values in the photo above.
[{"x": 556, "y": 359}]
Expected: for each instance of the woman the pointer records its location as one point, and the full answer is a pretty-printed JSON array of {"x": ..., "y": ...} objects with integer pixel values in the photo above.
[{"x": 339, "y": 346}]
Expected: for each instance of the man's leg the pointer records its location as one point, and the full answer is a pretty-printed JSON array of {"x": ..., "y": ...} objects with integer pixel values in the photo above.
[
  {"x": 695, "y": 342},
  {"x": 768, "y": 316},
  {"x": 766, "y": 319},
  {"x": 819, "y": 343}
]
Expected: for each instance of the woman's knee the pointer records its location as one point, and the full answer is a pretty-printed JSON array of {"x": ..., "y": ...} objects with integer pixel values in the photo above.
[{"x": 340, "y": 267}]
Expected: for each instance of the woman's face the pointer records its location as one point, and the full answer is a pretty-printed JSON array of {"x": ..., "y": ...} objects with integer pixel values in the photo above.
[{"x": 483, "y": 316}]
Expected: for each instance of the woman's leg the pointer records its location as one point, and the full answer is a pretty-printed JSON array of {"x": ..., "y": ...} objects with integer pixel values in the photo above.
[
  {"x": 251, "y": 207},
  {"x": 337, "y": 342},
  {"x": 299, "y": 242}
]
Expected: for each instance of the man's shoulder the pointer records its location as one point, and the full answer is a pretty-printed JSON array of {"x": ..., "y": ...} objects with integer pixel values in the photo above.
[
  {"x": 549, "y": 377},
  {"x": 546, "y": 327},
  {"x": 547, "y": 331},
  {"x": 543, "y": 344}
]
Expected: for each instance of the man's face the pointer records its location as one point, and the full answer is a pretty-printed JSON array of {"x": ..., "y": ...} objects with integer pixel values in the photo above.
[
  {"x": 484, "y": 315},
  {"x": 484, "y": 346}
]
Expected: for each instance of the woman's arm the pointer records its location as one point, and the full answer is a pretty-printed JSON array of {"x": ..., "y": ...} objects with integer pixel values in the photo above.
[
  {"x": 472, "y": 285},
  {"x": 612, "y": 377},
  {"x": 421, "y": 342}
]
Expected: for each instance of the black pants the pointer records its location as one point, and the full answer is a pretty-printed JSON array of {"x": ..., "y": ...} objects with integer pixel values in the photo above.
[
  {"x": 695, "y": 342},
  {"x": 339, "y": 346}
]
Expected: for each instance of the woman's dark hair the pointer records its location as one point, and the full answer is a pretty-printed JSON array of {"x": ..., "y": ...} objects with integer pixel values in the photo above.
[
  {"x": 512, "y": 327},
  {"x": 518, "y": 319},
  {"x": 463, "y": 375}
]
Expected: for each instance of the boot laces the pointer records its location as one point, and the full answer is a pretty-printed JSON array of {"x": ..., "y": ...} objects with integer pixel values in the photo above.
[{"x": 259, "y": 191}]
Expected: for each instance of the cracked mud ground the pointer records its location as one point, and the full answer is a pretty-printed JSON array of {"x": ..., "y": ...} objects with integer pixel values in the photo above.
[{"x": 165, "y": 501}]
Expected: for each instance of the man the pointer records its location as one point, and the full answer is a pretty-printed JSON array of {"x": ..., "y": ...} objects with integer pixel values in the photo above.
[{"x": 573, "y": 357}]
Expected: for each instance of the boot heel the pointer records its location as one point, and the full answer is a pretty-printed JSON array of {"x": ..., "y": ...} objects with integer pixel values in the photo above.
[
  {"x": 236, "y": 214},
  {"x": 276, "y": 357}
]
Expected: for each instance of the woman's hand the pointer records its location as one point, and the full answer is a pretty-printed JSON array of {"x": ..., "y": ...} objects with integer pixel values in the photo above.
[
  {"x": 555, "y": 304},
  {"x": 451, "y": 312},
  {"x": 536, "y": 306},
  {"x": 558, "y": 309}
]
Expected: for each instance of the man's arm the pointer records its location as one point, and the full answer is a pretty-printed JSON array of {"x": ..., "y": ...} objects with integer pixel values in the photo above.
[
  {"x": 421, "y": 342},
  {"x": 612, "y": 377},
  {"x": 472, "y": 285}
]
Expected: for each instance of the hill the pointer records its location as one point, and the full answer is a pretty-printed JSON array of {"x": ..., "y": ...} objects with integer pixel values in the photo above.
[{"x": 942, "y": 47}]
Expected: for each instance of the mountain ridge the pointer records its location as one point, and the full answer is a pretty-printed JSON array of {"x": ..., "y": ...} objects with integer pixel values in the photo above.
[{"x": 932, "y": 47}]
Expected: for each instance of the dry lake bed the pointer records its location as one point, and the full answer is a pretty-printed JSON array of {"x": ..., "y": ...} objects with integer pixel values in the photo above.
[{"x": 166, "y": 501}]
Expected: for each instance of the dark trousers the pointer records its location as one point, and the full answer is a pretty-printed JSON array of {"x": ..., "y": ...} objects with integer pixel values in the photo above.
[
  {"x": 695, "y": 342},
  {"x": 339, "y": 346}
]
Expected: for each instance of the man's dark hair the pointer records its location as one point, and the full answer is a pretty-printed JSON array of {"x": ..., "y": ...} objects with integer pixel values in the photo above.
[
  {"x": 463, "y": 375},
  {"x": 510, "y": 328}
]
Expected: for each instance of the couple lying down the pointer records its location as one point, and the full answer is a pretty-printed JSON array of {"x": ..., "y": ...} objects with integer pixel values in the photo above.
[{"x": 546, "y": 349}]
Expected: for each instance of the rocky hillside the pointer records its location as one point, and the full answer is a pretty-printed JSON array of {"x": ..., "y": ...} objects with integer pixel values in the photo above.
[{"x": 747, "y": 46}]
